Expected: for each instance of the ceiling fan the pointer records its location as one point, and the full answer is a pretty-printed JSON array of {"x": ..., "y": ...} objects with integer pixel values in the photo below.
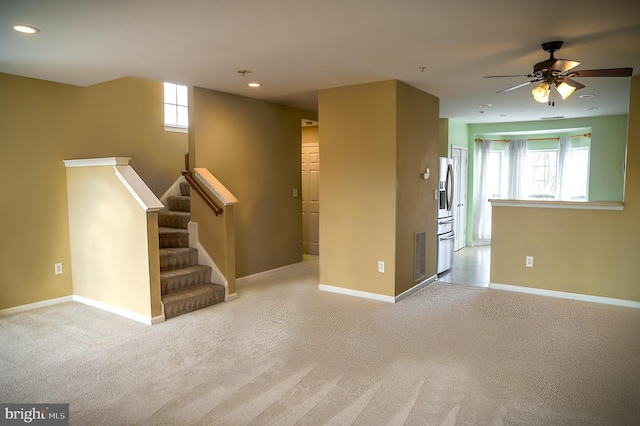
[{"x": 559, "y": 73}]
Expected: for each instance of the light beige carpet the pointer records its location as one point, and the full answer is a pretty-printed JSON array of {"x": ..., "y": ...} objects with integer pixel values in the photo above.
[{"x": 285, "y": 353}]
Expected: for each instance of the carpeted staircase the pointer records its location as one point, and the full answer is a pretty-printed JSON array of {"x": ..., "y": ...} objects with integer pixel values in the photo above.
[{"x": 186, "y": 286}]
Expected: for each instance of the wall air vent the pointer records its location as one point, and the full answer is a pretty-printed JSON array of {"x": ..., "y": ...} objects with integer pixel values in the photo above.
[{"x": 421, "y": 257}]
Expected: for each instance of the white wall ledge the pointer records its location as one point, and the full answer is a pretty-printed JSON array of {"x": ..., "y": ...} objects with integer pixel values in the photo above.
[
  {"x": 95, "y": 162},
  {"x": 140, "y": 191},
  {"x": 550, "y": 204},
  {"x": 129, "y": 178},
  {"x": 215, "y": 186}
]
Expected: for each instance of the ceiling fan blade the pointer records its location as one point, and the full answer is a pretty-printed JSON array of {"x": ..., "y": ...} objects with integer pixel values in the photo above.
[
  {"x": 517, "y": 86},
  {"x": 573, "y": 83},
  {"x": 563, "y": 65},
  {"x": 553, "y": 64},
  {"x": 611, "y": 72},
  {"x": 514, "y": 75}
]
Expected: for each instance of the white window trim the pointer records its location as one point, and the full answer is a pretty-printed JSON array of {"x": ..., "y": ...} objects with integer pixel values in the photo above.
[{"x": 176, "y": 129}]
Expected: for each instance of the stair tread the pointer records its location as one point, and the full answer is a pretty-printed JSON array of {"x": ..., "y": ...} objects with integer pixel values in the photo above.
[
  {"x": 179, "y": 203},
  {"x": 168, "y": 230},
  {"x": 183, "y": 271},
  {"x": 191, "y": 299},
  {"x": 174, "y": 219},
  {"x": 168, "y": 251},
  {"x": 175, "y": 280},
  {"x": 178, "y": 197},
  {"x": 177, "y": 257},
  {"x": 173, "y": 213},
  {"x": 193, "y": 291}
]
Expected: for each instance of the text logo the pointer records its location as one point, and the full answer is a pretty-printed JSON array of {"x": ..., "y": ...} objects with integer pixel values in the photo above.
[{"x": 34, "y": 414}]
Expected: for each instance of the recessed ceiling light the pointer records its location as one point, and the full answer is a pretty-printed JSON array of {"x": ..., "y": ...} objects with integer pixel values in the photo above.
[
  {"x": 586, "y": 96},
  {"x": 25, "y": 29},
  {"x": 254, "y": 84}
]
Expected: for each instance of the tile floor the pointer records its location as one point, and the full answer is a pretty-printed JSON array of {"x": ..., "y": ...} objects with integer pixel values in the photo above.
[{"x": 470, "y": 267}]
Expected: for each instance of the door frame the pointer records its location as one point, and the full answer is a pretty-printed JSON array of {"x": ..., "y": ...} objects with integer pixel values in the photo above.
[{"x": 458, "y": 242}]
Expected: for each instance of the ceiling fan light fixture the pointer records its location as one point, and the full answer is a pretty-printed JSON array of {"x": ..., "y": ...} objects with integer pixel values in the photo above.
[
  {"x": 565, "y": 90},
  {"x": 541, "y": 92}
]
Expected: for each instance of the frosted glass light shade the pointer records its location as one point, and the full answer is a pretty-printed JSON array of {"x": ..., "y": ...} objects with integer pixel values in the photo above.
[
  {"x": 541, "y": 92},
  {"x": 565, "y": 90}
]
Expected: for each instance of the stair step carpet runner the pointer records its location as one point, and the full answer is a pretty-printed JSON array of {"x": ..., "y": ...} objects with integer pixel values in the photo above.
[{"x": 186, "y": 286}]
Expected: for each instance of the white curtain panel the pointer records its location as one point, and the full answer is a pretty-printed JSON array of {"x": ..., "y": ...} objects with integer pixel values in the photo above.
[
  {"x": 482, "y": 222},
  {"x": 517, "y": 162},
  {"x": 562, "y": 174}
]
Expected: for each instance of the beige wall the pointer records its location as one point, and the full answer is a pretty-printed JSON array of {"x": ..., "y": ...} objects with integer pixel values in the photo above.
[
  {"x": 376, "y": 141},
  {"x": 254, "y": 149},
  {"x": 577, "y": 251},
  {"x": 416, "y": 149},
  {"x": 43, "y": 123},
  {"x": 443, "y": 144},
  {"x": 110, "y": 249}
]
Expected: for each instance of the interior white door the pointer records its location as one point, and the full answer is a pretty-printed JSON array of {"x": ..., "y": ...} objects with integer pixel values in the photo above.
[
  {"x": 311, "y": 199},
  {"x": 460, "y": 167}
]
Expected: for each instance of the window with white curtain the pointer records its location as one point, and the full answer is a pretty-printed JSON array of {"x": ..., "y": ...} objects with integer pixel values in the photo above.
[
  {"x": 577, "y": 174},
  {"x": 496, "y": 180},
  {"x": 547, "y": 170},
  {"x": 541, "y": 174}
]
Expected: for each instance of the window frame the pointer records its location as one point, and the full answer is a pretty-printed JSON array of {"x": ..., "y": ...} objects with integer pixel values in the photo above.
[
  {"x": 530, "y": 174},
  {"x": 171, "y": 127}
]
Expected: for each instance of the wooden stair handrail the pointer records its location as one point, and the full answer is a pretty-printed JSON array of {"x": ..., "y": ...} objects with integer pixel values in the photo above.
[{"x": 194, "y": 184}]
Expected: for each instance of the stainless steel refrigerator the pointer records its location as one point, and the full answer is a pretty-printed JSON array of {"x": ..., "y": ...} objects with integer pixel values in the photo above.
[{"x": 446, "y": 236}]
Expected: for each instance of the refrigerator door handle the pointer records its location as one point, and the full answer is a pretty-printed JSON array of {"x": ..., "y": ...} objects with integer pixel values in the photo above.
[
  {"x": 449, "y": 187},
  {"x": 451, "y": 237},
  {"x": 446, "y": 221}
]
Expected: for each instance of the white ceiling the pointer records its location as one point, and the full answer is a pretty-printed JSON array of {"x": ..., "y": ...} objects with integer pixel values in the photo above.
[{"x": 297, "y": 47}]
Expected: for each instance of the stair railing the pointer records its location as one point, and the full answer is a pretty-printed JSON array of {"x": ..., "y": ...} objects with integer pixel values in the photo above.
[{"x": 205, "y": 197}]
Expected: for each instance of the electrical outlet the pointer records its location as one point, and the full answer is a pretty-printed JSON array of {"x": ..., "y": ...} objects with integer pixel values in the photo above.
[
  {"x": 529, "y": 262},
  {"x": 381, "y": 266},
  {"x": 58, "y": 268},
  {"x": 295, "y": 192}
]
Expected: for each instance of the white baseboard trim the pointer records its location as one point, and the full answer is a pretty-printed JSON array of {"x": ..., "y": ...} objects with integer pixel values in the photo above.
[
  {"x": 35, "y": 305},
  {"x": 415, "y": 288},
  {"x": 120, "y": 311},
  {"x": 86, "y": 301},
  {"x": 565, "y": 295},
  {"x": 356, "y": 293},
  {"x": 259, "y": 275},
  {"x": 375, "y": 296}
]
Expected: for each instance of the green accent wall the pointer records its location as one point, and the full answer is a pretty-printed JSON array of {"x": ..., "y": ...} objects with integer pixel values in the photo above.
[{"x": 608, "y": 147}]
